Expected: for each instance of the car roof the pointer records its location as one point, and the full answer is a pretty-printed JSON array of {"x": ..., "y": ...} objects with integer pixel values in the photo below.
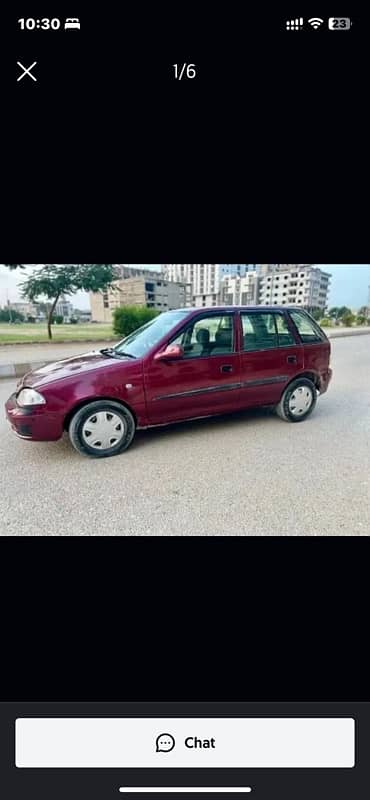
[{"x": 207, "y": 309}]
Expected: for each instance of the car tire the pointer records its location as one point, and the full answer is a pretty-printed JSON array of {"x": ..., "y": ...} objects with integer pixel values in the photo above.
[
  {"x": 297, "y": 401},
  {"x": 100, "y": 423}
]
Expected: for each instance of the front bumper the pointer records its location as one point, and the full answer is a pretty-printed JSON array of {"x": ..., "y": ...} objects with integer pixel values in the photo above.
[
  {"x": 325, "y": 379},
  {"x": 36, "y": 424}
]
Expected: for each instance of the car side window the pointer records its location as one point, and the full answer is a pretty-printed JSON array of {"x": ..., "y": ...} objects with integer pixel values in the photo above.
[
  {"x": 285, "y": 336},
  {"x": 307, "y": 329},
  {"x": 259, "y": 331},
  {"x": 207, "y": 336}
]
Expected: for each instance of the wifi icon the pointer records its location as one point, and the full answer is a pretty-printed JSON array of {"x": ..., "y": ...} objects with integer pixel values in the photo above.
[{"x": 315, "y": 22}]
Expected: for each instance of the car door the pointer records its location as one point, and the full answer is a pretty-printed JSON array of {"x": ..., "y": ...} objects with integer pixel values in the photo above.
[
  {"x": 206, "y": 380},
  {"x": 270, "y": 356}
]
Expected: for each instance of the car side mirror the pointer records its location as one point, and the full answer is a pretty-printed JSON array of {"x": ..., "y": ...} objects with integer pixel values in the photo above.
[{"x": 172, "y": 351}]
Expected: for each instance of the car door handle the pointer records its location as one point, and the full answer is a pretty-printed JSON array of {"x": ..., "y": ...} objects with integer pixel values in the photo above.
[
  {"x": 226, "y": 368},
  {"x": 292, "y": 359}
]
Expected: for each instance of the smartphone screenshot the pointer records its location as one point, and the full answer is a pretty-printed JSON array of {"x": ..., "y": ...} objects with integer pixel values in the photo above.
[{"x": 184, "y": 446}]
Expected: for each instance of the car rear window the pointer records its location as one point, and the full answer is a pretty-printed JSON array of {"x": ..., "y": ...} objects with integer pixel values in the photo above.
[{"x": 308, "y": 331}]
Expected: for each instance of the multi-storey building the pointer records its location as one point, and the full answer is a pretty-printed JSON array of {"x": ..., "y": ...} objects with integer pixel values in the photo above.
[
  {"x": 64, "y": 309},
  {"x": 83, "y": 315},
  {"x": 293, "y": 284},
  {"x": 239, "y": 291},
  {"x": 26, "y": 308},
  {"x": 146, "y": 288},
  {"x": 204, "y": 280},
  {"x": 236, "y": 269}
]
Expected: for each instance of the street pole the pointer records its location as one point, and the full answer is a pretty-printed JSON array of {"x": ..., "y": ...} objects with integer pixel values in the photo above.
[{"x": 9, "y": 309}]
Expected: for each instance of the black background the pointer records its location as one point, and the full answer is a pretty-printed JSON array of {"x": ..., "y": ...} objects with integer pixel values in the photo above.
[{"x": 263, "y": 157}]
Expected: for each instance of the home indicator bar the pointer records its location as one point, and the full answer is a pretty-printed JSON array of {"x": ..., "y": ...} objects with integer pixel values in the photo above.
[{"x": 185, "y": 789}]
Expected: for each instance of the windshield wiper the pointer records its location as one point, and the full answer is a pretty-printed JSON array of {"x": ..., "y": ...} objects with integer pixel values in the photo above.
[
  {"x": 113, "y": 353},
  {"x": 107, "y": 351},
  {"x": 123, "y": 353}
]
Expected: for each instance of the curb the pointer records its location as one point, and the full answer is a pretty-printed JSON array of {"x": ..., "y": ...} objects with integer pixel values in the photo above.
[
  {"x": 341, "y": 334},
  {"x": 59, "y": 341},
  {"x": 18, "y": 370}
]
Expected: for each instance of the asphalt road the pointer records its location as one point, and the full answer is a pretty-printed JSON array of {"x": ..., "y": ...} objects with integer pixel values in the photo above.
[{"x": 248, "y": 474}]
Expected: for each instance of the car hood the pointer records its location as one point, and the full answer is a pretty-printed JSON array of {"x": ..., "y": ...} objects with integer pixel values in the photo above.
[{"x": 69, "y": 367}]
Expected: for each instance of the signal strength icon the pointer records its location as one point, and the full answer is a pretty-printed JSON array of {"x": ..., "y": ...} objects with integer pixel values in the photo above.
[
  {"x": 294, "y": 24},
  {"x": 315, "y": 22}
]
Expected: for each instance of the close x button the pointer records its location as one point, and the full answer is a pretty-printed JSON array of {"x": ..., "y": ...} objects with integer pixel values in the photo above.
[{"x": 26, "y": 71}]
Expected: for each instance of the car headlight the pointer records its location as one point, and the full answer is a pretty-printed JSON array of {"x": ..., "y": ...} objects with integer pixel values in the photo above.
[{"x": 29, "y": 397}]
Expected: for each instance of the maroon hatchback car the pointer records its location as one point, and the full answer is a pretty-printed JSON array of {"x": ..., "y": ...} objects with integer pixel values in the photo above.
[{"x": 182, "y": 365}]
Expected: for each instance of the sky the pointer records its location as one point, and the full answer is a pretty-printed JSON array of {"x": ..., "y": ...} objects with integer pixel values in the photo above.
[{"x": 349, "y": 284}]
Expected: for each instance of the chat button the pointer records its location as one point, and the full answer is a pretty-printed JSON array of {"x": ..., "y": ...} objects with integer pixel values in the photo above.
[{"x": 164, "y": 743}]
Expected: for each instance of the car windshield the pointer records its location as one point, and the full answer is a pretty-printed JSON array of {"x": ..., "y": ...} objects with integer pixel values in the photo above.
[{"x": 139, "y": 342}]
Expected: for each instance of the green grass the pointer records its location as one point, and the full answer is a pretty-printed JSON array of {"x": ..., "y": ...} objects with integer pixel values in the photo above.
[{"x": 28, "y": 333}]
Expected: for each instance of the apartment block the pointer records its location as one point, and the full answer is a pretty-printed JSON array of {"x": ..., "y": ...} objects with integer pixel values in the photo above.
[
  {"x": 150, "y": 290},
  {"x": 293, "y": 284},
  {"x": 204, "y": 280},
  {"x": 236, "y": 269},
  {"x": 239, "y": 291}
]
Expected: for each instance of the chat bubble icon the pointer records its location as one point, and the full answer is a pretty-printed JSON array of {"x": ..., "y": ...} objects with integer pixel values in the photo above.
[{"x": 164, "y": 743}]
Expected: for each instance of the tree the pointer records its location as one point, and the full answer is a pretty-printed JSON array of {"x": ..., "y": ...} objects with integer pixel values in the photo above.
[
  {"x": 364, "y": 311},
  {"x": 348, "y": 318},
  {"x": 14, "y": 266},
  {"x": 316, "y": 312},
  {"x": 128, "y": 318},
  {"x": 9, "y": 315},
  {"x": 339, "y": 312},
  {"x": 54, "y": 280}
]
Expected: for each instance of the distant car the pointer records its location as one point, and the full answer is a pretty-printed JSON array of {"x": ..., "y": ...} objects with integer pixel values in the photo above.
[{"x": 181, "y": 365}]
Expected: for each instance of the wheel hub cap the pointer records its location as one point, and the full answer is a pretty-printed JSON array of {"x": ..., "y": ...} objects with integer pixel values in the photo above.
[
  {"x": 300, "y": 401},
  {"x": 103, "y": 430}
]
